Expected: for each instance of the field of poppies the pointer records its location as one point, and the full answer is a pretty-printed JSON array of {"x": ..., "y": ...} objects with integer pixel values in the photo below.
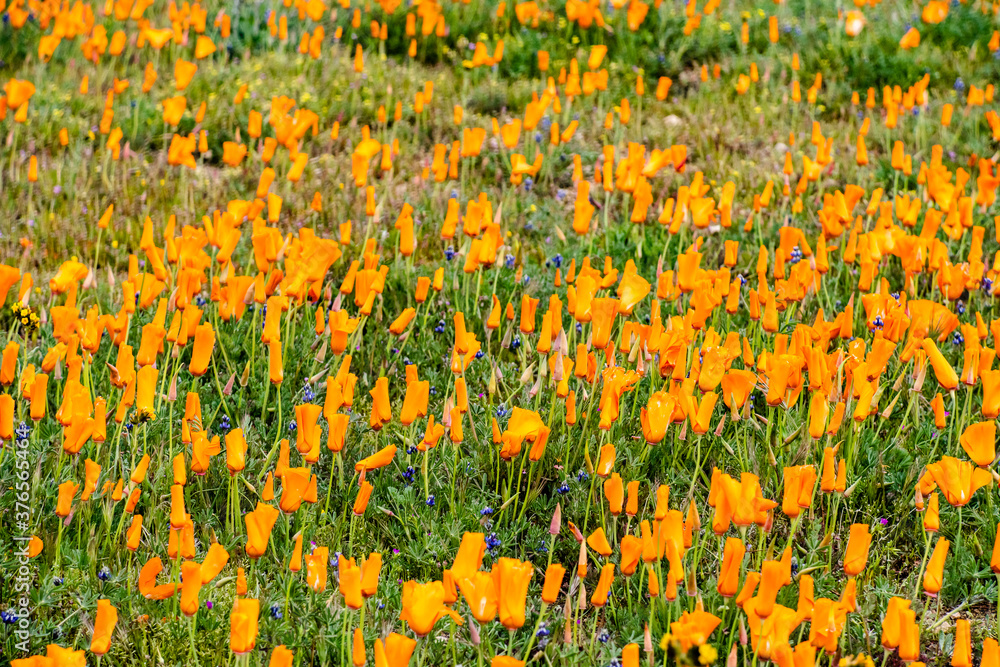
[{"x": 484, "y": 332}]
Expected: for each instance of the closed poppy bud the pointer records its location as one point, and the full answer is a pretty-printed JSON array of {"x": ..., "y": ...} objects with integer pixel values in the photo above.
[
  {"x": 603, "y": 589},
  {"x": 657, "y": 416},
  {"x": 145, "y": 392},
  {"x": 732, "y": 561},
  {"x": 295, "y": 562},
  {"x": 937, "y": 406},
  {"x": 64, "y": 503},
  {"x": 179, "y": 469},
  {"x": 934, "y": 577},
  {"x": 38, "y": 396},
  {"x": 632, "y": 504},
  {"x": 512, "y": 590},
  {"x": 470, "y": 555},
  {"x": 215, "y": 560},
  {"x": 379, "y": 459},
  {"x": 606, "y": 462},
  {"x": 350, "y": 582},
  {"x": 630, "y": 655},
  {"x": 858, "y": 544},
  {"x": 828, "y": 480},
  {"x": 236, "y": 451},
  {"x": 381, "y": 413},
  {"x": 423, "y": 287},
  {"x": 190, "y": 587},
  {"x": 614, "y": 492},
  {"x": 370, "y": 571},
  {"x": 506, "y": 660},
  {"x": 100, "y": 420},
  {"x": 104, "y": 627},
  {"x": 281, "y": 656},
  {"x": 307, "y": 432},
  {"x": 204, "y": 343},
  {"x": 819, "y": 410},
  {"x": 932, "y": 519},
  {"x": 92, "y": 471},
  {"x": 358, "y": 648},
  {"x": 316, "y": 569},
  {"x": 243, "y": 625},
  {"x": 294, "y": 484},
  {"x": 7, "y": 408},
  {"x": 861, "y": 156},
  {"x": 455, "y": 430},
  {"x": 892, "y": 622},
  {"x": 276, "y": 372},
  {"x": 772, "y": 578},
  {"x": 133, "y": 500},
  {"x": 962, "y": 653},
  {"x": 554, "y": 575},
  {"x": 630, "y": 548},
  {"x": 995, "y": 557},
  {"x": 943, "y": 371},
  {"x": 991, "y": 649},
  {"x": 359, "y": 62},
  {"x": 361, "y": 502},
  {"x": 946, "y": 113},
  {"x": 909, "y": 636},
  {"x": 139, "y": 474},
  {"x": 134, "y": 533},
  {"x": 178, "y": 517}
]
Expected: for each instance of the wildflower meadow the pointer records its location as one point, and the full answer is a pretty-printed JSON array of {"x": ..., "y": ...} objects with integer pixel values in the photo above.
[{"x": 479, "y": 332}]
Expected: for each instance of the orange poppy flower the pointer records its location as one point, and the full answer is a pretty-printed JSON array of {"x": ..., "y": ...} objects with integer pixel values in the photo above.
[
  {"x": 243, "y": 625},
  {"x": 104, "y": 626},
  {"x": 958, "y": 480},
  {"x": 729, "y": 573},
  {"x": 350, "y": 582},
  {"x": 361, "y": 502},
  {"x": 64, "y": 503},
  {"x": 316, "y": 568},
  {"x": 381, "y": 413},
  {"x": 979, "y": 442},
  {"x": 184, "y": 71},
  {"x": 307, "y": 430},
  {"x": 934, "y": 576},
  {"x": 259, "y": 524},
  {"x": 603, "y": 588},
  {"x": 513, "y": 578},
  {"x": 190, "y": 587},
  {"x": 379, "y": 459},
  {"x": 423, "y": 606},
  {"x": 856, "y": 555},
  {"x": 236, "y": 451},
  {"x": 694, "y": 628},
  {"x": 204, "y": 343}
]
